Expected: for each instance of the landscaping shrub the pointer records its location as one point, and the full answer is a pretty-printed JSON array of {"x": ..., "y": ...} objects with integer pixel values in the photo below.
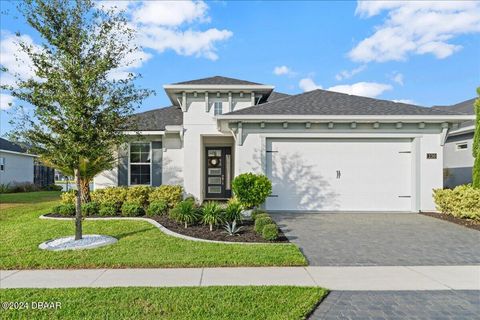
[
  {"x": 270, "y": 232},
  {"x": 138, "y": 194},
  {"x": 111, "y": 195},
  {"x": 107, "y": 210},
  {"x": 90, "y": 208},
  {"x": 4, "y": 187},
  {"x": 251, "y": 189},
  {"x": 132, "y": 209},
  {"x": 461, "y": 202},
  {"x": 262, "y": 222},
  {"x": 52, "y": 187},
  {"x": 262, "y": 215},
  {"x": 69, "y": 197},
  {"x": 156, "y": 208},
  {"x": 212, "y": 214},
  {"x": 233, "y": 210},
  {"x": 185, "y": 212},
  {"x": 171, "y": 194},
  {"x": 66, "y": 210},
  {"x": 256, "y": 212},
  {"x": 23, "y": 187}
]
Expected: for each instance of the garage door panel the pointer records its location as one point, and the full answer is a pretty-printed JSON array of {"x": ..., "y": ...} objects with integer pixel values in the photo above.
[{"x": 339, "y": 174}]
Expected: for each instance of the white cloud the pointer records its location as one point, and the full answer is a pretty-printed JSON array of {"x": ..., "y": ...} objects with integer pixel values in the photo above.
[
  {"x": 365, "y": 89},
  {"x": 307, "y": 84},
  {"x": 281, "y": 70},
  {"x": 186, "y": 43},
  {"x": 346, "y": 74},
  {"x": 171, "y": 13},
  {"x": 407, "y": 101},
  {"x": 5, "y": 101},
  {"x": 164, "y": 25},
  {"x": 397, "y": 78},
  {"x": 16, "y": 61},
  {"x": 415, "y": 27}
]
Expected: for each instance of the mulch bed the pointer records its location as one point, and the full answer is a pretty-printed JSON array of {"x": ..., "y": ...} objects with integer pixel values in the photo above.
[
  {"x": 472, "y": 224},
  {"x": 246, "y": 234}
]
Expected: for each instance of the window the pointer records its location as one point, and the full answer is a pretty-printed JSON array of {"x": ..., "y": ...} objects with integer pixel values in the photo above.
[
  {"x": 462, "y": 146},
  {"x": 2, "y": 164},
  {"x": 217, "y": 108},
  {"x": 140, "y": 163}
]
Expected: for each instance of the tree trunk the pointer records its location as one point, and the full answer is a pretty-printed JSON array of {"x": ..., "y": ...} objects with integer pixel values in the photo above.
[
  {"x": 85, "y": 187},
  {"x": 211, "y": 227},
  {"x": 186, "y": 225},
  {"x": 78, "y": 207}
]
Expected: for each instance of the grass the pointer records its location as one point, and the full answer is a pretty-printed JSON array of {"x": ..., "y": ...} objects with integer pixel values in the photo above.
[
  {"x": 167, "y": 303},
  {"x": 140, "y": 245}
]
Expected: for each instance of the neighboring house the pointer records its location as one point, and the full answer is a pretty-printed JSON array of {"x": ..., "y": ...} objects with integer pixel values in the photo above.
[
  {"x": 458, "y": 157},
  {"x": 16, "y": 165},
  {"x": 322, "y": 150}
]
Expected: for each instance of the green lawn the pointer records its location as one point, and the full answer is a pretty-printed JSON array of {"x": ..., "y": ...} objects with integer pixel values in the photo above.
[
  {"x": 167, "y": 303},
  {"x": 140, "y": 243}
]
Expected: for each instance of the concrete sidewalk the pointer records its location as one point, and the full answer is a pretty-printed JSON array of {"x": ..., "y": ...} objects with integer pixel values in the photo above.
[{"x": 334, "y": 278}]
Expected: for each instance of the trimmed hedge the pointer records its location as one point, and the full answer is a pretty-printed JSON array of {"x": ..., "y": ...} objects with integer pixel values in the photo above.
[
  {"x": 90, "y": 208},
  {"x": 156, "y": 208},
  {"x": 461, "y": 202},
  {"x": 107, "y": 210},
  {"x": 257, "y": 212},
  {"x": 64, "y": 209},
  {"x": 251, "y": 189},
  {"x": 270, "y": 232},
  {"x": 171, "y": 194},
  {"x": 260, "y": 223},
  {"x": 132, "y": 209}
]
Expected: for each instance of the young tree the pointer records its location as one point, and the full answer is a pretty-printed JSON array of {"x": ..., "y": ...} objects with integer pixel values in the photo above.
[
  {"x": 77, "y": 106},
  {"x": 476, "y": 144}
]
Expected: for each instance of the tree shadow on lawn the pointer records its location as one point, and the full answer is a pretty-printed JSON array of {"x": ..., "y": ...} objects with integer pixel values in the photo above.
[{"x": 127, "y": 234}]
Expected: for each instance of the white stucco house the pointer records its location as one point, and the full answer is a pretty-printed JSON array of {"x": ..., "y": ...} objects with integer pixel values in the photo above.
[
  {"x": 16, "y": 165},
  {"x": 457, "y": 155},
  {"x": 322, "y": 150}
]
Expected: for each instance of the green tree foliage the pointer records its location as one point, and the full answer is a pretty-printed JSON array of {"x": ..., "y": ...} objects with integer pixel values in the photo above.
[
  {"x": 78, "y": 106},
  {"x": 476, "y": 144},
  {"x": 251, "y": 189}
]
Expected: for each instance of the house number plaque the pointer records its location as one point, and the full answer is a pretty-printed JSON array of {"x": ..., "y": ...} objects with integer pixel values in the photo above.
[{"x": 431, "y": 156}]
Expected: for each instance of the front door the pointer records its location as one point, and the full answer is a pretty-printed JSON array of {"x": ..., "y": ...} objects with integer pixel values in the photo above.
[{"x": 218, "y": 172}]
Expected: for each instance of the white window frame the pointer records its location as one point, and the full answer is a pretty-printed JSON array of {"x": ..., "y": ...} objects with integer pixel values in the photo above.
[
  {"x": 142, "y": 163},
  {"x": 215, "y": 108},
  {"x": 2, "y": 164},
  {"x": 459, "y": 144}
]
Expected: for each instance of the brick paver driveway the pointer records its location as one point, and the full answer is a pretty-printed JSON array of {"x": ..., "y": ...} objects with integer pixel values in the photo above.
[
  {"x": 369, "y": 305},
  {"x": 384, "y": 239}
]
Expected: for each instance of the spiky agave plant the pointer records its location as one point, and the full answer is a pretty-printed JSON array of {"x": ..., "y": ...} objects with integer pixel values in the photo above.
[{"x": 232, "y": 229}]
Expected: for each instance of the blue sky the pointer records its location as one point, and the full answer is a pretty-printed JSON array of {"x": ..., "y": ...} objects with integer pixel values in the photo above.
[{"x": 419, "y": 52}]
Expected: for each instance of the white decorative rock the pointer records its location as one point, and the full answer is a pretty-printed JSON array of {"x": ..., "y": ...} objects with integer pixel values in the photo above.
[{"x": 89, "y": 241}]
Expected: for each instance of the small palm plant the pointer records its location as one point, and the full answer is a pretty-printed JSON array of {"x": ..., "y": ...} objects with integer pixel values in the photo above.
[
  {"x": 212, "y": 214},
  {"x": 185, "y": 212},
  {"x": 232, "y": 229},
  {"x": 233, "y": 211}
]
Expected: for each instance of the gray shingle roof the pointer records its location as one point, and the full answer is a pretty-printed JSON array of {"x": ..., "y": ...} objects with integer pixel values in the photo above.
[
  {"x": 157, "y": 119},
  {"x": 323, "y": 102},
  {"x": 10, "y": 146},
  {"x": 219, "y": 80},
  {"x": 276, "y": 95},
  {"x": 464, "y": 107}
]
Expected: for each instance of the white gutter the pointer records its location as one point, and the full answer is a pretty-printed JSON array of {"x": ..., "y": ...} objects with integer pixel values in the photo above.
[
  {"x": 19, "y": 153},
  {"x": 462, "y": 130},
  {"x": 216, "y": 87},
  {"x": 144, "y": 133},
  {"x": 347, "y": 118}
]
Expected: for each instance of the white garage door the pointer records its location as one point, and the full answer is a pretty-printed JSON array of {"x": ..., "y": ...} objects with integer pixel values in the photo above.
[{"x": 340, "y": 174}]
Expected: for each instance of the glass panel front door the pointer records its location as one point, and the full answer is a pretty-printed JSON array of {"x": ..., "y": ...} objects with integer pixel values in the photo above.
[{"x": 218, "y": 172}]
